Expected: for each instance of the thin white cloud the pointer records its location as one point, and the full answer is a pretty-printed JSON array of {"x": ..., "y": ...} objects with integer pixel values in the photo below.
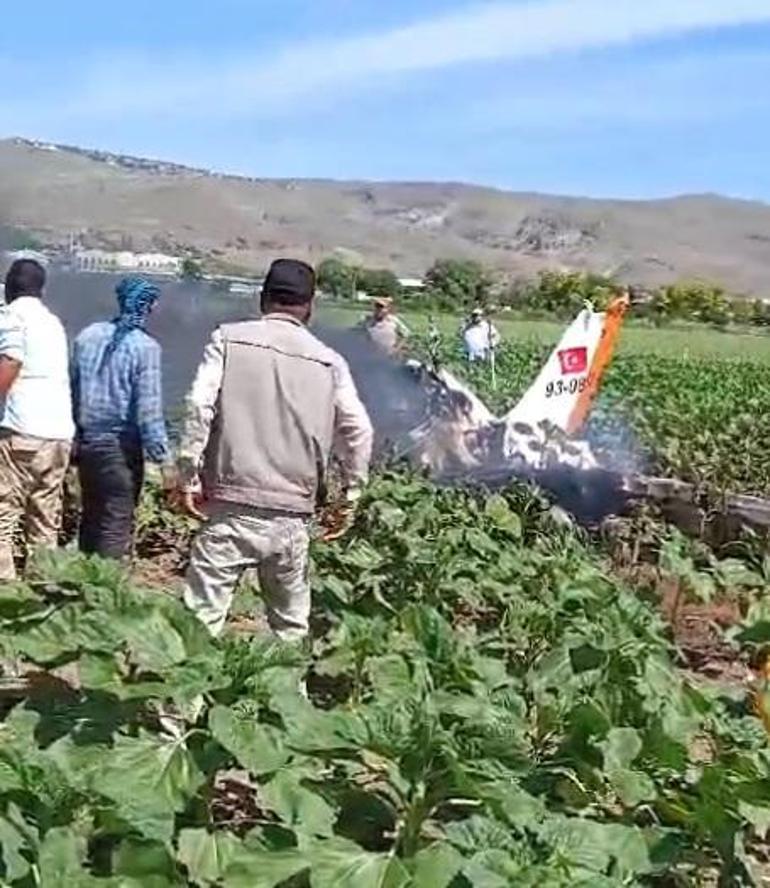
[
  {"x": 479, "y": 33},
  {"x": 676, "y": 91}
]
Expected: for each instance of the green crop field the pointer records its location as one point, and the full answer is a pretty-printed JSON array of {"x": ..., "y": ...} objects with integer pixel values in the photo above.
[
  {"x": 701, "y": 419},
  {"x": 695, "y": 340},
  {"x": 493, "y": 698}
]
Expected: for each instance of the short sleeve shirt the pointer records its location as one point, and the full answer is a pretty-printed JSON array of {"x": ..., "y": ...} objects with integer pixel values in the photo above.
[{"x": 38, "y": 403}]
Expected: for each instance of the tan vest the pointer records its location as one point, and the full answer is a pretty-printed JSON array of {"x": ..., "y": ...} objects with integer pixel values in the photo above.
[
  {"x": 272, "y": 435},
  {"x": 384, "y": 334}
]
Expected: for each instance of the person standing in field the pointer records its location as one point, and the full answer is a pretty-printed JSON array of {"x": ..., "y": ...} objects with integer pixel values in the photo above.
[
  {"x": 480, "y": 337},
  {"x": 118, "y": 407},
  {"x": 385, "y": 330},
  {"x": 268, "y": 406},
  {"x": 36, "y": 427}
]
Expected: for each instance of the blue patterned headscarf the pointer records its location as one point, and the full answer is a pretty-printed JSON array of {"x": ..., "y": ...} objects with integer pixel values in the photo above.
[{"x": 136, "y": 297}]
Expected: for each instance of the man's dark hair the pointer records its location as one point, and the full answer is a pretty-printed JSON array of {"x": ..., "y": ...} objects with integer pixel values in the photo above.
[
  {"x": 289, "y": 282},
  {"x": 25, "y": 277}
]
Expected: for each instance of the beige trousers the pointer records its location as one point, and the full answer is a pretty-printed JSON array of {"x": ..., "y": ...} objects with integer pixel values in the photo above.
[
  {"x": 32, "y": 474},
  {"x": 236, "y": 539}
]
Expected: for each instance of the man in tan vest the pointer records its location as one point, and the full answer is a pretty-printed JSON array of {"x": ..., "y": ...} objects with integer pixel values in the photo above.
[
  {"x": 385, "y": 330},
  {"x": 269, "y": 405}
]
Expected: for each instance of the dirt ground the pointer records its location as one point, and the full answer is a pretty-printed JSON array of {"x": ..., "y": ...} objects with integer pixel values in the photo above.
[{"x": 699, "y": 635}]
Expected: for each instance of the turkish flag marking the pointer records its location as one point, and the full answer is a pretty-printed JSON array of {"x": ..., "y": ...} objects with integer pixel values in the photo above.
[{"x": 573, "y": 360}]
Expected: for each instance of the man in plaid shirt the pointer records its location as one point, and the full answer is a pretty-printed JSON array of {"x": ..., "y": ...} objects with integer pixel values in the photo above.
[{"x": 118, "y": 409}]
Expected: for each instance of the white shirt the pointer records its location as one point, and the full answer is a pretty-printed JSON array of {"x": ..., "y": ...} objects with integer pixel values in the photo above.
[
  {"x": 352, "y": 428},
  {"x": 480, "y": 338},
  {"x": 38, "y": 403}
]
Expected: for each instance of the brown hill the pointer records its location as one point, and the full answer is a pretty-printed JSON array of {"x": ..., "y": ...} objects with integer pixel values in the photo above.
[{"x": 112, "y": 200}]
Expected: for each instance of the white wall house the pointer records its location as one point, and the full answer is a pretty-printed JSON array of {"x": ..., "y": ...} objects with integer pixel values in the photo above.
[{"x": 126, "y": 261}]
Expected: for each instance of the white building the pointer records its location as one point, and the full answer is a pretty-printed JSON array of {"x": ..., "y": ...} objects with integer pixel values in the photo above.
[{"x": 126, "y": 261}]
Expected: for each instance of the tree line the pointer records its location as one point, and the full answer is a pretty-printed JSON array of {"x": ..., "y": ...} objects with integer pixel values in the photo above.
[{"x": 459, "y": 284}]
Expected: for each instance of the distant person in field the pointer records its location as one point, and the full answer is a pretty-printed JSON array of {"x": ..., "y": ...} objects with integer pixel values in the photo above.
[
  {"x": 118, "y": 407},
  {"x": 480, "y": 337},
  {"x": 385, "y": 330},
  {"x": 36, "y": 426},
  {"x": 269, "y": 405}
]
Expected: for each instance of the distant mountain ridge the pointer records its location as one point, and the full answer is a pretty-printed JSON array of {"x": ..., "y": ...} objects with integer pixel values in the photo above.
[{"x": 113, "y": 200}]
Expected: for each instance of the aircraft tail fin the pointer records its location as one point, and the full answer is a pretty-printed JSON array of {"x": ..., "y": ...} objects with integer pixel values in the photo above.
[{"x": 567, "y": 386}]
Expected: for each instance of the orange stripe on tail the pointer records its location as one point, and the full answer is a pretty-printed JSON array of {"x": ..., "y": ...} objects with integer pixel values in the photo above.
[{"x": 613, "y": 322}]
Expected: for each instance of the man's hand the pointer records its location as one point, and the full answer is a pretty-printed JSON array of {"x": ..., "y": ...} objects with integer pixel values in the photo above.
[
  {"x": 188, "y": 502},
  {"x": 338, "y": 519},
  {"x": 9, "y": 372},
  {"x": 336, "y": 522},
  {"x": 191, "y": 504}
]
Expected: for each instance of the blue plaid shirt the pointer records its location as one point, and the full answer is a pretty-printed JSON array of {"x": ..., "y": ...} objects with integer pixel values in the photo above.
[{"x": 123, "y": 397}]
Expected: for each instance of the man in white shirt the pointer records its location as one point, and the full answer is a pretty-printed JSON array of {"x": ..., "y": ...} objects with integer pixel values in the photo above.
[
  {"x": 36, "y": 427},
  {"x": 480, "y": 337}
]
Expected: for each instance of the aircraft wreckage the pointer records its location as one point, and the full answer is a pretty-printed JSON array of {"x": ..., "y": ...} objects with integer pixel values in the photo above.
[{"x": 460, "y": 440}]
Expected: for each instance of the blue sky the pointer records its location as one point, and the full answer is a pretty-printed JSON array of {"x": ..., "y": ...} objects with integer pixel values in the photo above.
[{"x": 626, "y": 98}]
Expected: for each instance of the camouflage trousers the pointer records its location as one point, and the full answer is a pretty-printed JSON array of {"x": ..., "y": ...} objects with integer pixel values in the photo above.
[
  {"x": 32, "y": 474},
  {"x": 237, "y": 539}
]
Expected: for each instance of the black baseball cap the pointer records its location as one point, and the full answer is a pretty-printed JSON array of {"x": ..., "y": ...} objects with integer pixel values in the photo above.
[{"x": 289, "y": 282}]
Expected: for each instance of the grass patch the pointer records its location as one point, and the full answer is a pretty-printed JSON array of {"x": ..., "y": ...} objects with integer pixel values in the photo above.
[{"x": 684, "y": 340}]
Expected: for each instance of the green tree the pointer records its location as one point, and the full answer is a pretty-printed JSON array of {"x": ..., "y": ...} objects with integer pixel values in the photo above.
[
  {"x": 458, "y": 283},
  {"x": 19, "y": 240},
  {"x": 760, "y": 313},
  {"x": 693, "y": 301},
  {"x": 563, "y": 293},
  {"x": 337, "y": 278},
  {"x": 192, "y": 270},
  {"x": 379, "y": 283}
]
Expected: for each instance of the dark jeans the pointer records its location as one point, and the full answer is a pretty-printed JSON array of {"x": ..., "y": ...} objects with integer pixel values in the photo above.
[{"x": 111, "y": 473}]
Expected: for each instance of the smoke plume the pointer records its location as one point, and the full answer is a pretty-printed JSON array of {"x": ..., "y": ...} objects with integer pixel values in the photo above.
[{"x": 186, "y": 315}]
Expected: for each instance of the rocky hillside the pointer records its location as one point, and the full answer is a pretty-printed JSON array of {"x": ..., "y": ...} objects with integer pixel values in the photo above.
[{"x": 112, "y": 200}]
